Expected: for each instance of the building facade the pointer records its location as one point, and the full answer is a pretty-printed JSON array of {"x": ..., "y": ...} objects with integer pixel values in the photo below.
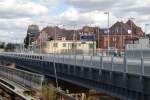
[
  {"x": 68, "y": 46},
  {"x": 119, "y": 35}
]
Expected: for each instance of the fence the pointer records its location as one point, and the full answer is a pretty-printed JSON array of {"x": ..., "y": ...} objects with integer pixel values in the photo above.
[
  {"x": 27, "y": 79},
  {"x": 122, "y": 64},
  {"x": 135, "y": 64}
]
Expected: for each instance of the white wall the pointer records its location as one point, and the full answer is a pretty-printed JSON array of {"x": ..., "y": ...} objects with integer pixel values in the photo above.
[
  {"x": 143, "y": 44},
  {"x": 80, "y": 46}
]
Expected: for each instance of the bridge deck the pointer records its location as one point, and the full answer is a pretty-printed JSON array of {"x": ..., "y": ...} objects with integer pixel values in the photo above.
[
  {"x": 121, "y": 64},
  {"x": 126, "y": 78}
]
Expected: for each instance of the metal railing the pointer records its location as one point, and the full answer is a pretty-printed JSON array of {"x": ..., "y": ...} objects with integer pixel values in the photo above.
[
  {"x": 134, "y": 65},
  {"x": 23, "y": 78}
]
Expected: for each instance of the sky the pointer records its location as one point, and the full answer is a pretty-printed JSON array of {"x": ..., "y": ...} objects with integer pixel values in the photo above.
[{"x": 16, "y": 15}]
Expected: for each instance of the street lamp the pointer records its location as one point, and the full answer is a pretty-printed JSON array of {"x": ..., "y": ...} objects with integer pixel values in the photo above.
[
  {"x": 55, "y": 70},
  {"x": 98, "y": 38},
  {"x": 122, "y": 40},
  {"x": 74, "y": 40},
  {"x": 107, "y": 13}
]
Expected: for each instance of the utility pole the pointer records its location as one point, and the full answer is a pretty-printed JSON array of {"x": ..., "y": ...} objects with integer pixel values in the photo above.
[
  {"x": 55, "y": 71},
  {"x": 74, "y": 39},
  {"x": 98, "y": 38},
  {"x": 121, "y": 38},
  {"x": 93, "y": 44},
  {"x": 107, "y": 13}
]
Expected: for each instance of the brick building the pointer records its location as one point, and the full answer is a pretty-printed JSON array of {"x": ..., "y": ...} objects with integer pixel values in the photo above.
[
  {"x": 119, "y": 34},
  {"x": 51, "y": 33}
]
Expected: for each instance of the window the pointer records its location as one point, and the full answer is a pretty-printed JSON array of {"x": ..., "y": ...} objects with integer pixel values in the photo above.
[
  {"x": 55, "y": 45},
  {"x": 64, "y": 44},
  {"x": 114, "y": 38},
  {"x": 73, "y": 45},
  {"x": 90, "y": 46},
  {"x": 105, "y": 41},
  {"x": 117, "y": 30}
]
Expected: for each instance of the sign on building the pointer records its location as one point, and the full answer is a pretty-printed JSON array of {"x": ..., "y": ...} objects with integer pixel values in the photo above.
[{"x": 87, "y": 37}]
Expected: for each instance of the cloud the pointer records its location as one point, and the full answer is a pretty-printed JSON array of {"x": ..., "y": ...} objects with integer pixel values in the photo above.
[
  {"x": 90, "y": 5},
  {"x": 48, "y": 3},
  {"x": 13, "y": 29},
  {"x": 118, "y": 8},
  {"x": 15, "y": 9},
  {"x": 94, "y": 18},
  {"x": 16, "y": 15},
  {"x": 10, "y": 36}
]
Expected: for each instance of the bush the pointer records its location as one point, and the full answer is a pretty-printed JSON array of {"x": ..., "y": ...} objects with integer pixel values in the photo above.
[{"x": 48, "y": 92}]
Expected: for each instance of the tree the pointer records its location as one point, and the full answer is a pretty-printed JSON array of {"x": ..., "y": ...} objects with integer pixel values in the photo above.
[
  {"x": 2, "y": 45},
  {"x": 48, "y": 92},
  {"x": 10, "y": 47}
]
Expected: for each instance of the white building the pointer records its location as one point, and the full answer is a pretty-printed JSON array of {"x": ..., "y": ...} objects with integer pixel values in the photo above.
[{"x": 66, "y": 46}]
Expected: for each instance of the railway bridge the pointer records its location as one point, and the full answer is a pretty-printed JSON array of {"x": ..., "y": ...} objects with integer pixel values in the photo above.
[{"x": 127, "y": 77}]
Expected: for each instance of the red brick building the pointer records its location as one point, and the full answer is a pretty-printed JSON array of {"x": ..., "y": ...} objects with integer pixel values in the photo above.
[{"x": 119, "y": 34}]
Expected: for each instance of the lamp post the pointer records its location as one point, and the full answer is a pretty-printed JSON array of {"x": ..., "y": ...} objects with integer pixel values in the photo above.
[
  {"x": 74, "y": 39},
  {"x": 121, "y": 37},
  {"x": 75, "y": 44},
  {"x": 98, "y": 38},
  {"x": 55, "y": 70},
  {"x": 107, "y": 13},
  {"x": 73, "y": 27}
]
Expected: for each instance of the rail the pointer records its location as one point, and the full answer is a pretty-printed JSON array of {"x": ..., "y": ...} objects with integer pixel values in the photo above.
[
  {"x": 135, "y": 65},
  {"x": 23, "y": 78}
]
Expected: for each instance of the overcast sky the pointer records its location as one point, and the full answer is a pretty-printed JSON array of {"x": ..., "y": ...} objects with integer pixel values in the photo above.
[{"x": 16, "y": 15}]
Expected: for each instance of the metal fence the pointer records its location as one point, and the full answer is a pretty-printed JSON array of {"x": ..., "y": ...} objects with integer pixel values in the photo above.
[
  {"x": 122, "y": 64},
  {"x": 27, "y": 79},
  {"x": 129, "y": 63}
]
